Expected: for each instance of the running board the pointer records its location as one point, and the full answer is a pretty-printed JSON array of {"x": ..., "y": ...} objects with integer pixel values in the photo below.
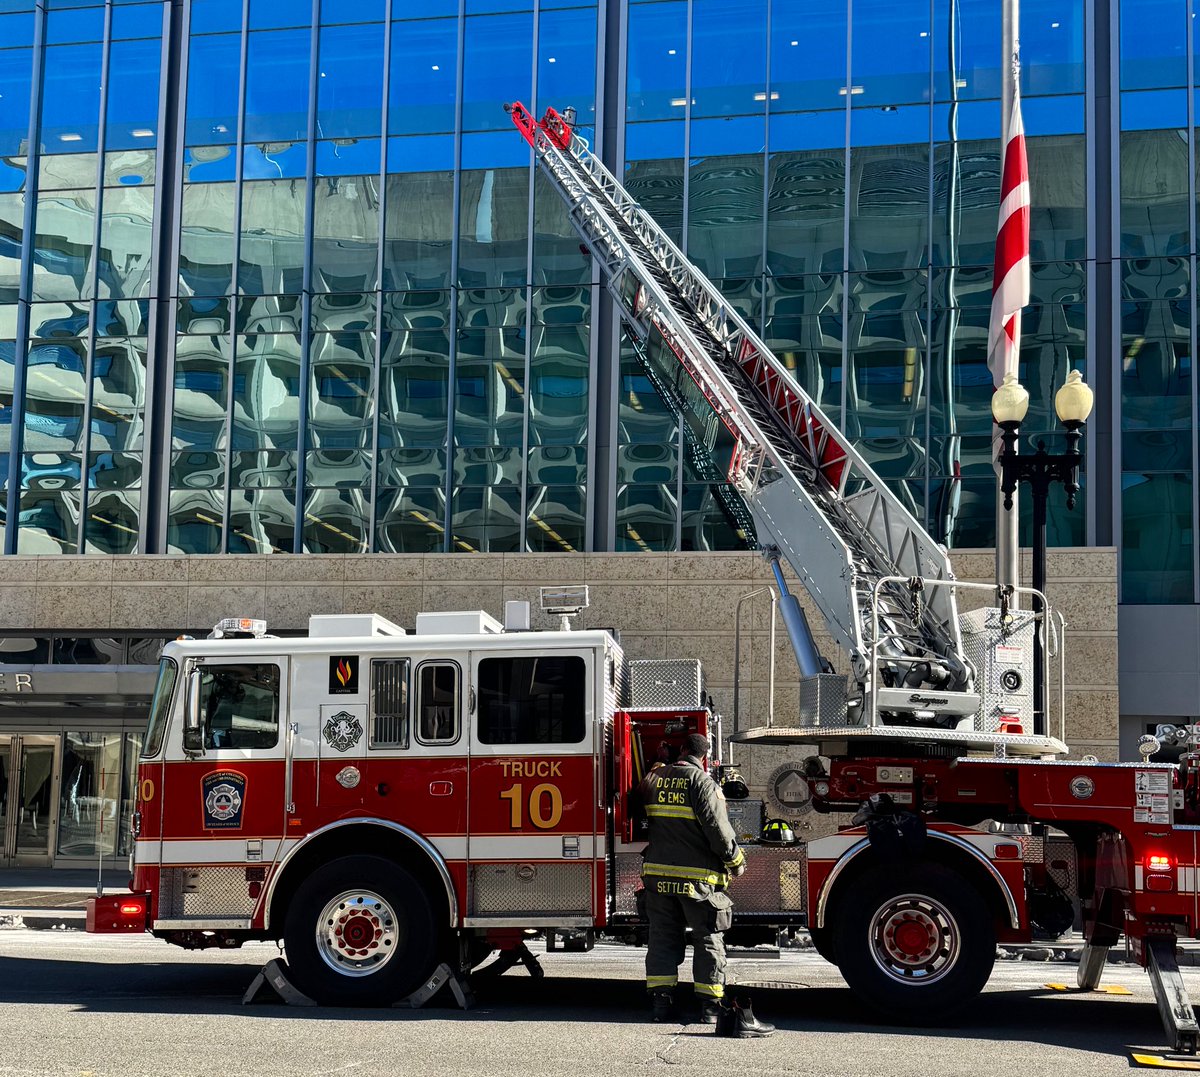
[{"x": 1174, "y": 1005}]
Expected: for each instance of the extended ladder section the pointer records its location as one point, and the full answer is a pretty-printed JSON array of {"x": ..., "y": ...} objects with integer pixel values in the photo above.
[{"x": 859, "y": 553}]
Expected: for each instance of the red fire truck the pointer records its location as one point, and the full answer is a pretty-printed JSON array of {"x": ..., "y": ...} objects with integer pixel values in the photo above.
[{"x": 384, "y": 801}]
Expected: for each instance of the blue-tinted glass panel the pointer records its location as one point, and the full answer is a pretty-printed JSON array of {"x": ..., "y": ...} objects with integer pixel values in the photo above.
[
  {"x": 567, "y": 62},
  {"x": 338, "y": 11},
  {"x": 425, "y": 104},
  {"x": 1153, "y": 43},
  {"x": 423, "y": 9},
  {"x": 68, "y": 27},
  {"x": 419, "y": 229},
  {"x": 274, "y": 14},
  {"x": 889, "y": 193},
  {"x": 966, "y": 49},
  {"x": 557, "y": 519},
  {"x": 1157, "y": 538},
  {"x": 806, "y": 203},
  {"x": 348, "y": 157},
  {"x": 212, "y": 97},
  {"x": 646, "y": 518},
  {"x": 497, "y": 67},
  {"x": 1154, "y": 192},
  {"x": 277, "y": 85},
  {"x": 71, "y": 98},
  {"x": 420, "y": 153},
  {"x": 890, "y": 53},
  {"x": 1052, "y": 46},
  {"x": 133, "y": 97},
  {"x": 137, "y": 20},
  {"x": 350, "y": 83},
  {"x": 15, "y": 75},
  {"x": 274, "y": 160},
  {"x": 16, "y": 29},
  {"x": 657, "y": 73},
  {"x": 725, "y": 236},
  {"x": 729, "y": 62},
  {"x": 808, "y": 55},
  {"x": 215, "y": 16},
  {"x": 346, "y": 231}
]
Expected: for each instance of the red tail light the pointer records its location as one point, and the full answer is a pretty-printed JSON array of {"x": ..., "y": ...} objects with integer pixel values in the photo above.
[
  {"x": 132, "y": 908},
  {"x": 1160, "y": 872}
]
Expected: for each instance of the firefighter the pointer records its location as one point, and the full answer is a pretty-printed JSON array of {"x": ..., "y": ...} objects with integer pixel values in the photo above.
[{"x": 687, "y": 864}]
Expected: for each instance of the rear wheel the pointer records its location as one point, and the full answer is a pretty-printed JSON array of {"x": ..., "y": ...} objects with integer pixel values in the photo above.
[
  {"x": 917, "y": 945},
  {"x": 360, "y": 931}
]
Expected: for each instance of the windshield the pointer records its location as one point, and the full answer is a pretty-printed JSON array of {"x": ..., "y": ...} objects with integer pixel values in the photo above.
[{"x": 160, "y": 708}]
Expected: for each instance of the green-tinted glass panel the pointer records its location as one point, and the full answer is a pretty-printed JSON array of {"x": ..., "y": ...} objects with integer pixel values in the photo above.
[{"x": 1157, "y": 540}]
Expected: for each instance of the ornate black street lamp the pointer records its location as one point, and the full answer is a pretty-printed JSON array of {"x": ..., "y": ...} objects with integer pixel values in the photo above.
[{"x": 1073, "y": 405}]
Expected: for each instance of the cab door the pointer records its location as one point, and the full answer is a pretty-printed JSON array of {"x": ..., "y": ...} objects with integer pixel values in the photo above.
[
  {"x": 224, "y": 804},
  {"x": 532, "y": 847}
]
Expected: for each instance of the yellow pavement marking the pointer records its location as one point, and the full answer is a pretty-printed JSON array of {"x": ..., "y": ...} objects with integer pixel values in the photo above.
[
  {"x": 1158, "y": 1062},
  {"x": 1115, "y": 989},
  {"x": 1055, "y": 987}
]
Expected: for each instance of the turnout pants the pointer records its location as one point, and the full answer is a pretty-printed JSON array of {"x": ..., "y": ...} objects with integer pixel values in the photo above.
[{"x": 671, "y": 907}]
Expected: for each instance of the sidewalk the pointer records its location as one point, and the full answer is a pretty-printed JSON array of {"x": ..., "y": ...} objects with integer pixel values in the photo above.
[{"x": 41, "y": 898}]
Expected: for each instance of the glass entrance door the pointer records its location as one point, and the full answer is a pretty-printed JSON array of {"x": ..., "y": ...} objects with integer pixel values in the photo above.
[{"x": 28, "y": 816}]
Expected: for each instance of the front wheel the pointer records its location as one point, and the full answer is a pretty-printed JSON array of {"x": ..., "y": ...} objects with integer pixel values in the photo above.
[
  {"x": 360, "y": 931},
  {"x": 917, "y": 945}
]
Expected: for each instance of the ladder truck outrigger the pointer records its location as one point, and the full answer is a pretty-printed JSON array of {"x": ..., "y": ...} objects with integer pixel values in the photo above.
[{"x": 387, "y": 802}]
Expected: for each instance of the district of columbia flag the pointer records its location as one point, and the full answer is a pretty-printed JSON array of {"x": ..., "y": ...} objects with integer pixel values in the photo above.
[{"x": 1010, "y": 280}]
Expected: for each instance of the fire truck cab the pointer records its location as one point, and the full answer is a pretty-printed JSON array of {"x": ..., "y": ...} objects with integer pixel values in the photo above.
[{"x": 364, "y": 791}]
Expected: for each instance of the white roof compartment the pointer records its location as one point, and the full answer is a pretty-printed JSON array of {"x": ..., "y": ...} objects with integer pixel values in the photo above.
[
  {"x": 460, "y": 623},
  {"x": 339, "y": 625}
]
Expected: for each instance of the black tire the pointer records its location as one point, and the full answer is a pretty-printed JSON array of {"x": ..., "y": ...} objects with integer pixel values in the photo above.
[
  {"x": 938, "y": 961},
  {"x": 822, "y": 940},
  {"x": 360, "y": 931}
]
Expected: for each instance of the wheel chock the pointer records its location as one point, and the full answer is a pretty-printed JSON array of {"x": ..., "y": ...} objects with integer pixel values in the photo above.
[
  {"x": 442, "y": 976},
  {"x": 273, "y": 977}
]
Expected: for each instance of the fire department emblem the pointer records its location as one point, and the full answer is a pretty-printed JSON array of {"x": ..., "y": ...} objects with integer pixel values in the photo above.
[
  {"x": 224, "y": 798},
  {"x": 342, "y": 731}
]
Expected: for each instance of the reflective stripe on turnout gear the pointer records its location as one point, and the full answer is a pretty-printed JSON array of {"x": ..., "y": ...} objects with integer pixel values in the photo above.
[
  {"x": 700, "y": 875},
  {"x": 710, "y": 990},
  {"x": 739, "y": 858},
  {"x": 669, "y": 811},
  {"x": 653, "y": 983}
]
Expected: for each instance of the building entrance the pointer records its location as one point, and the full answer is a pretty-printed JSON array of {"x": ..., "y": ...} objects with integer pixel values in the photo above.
[{"x": 29, "y": 777}]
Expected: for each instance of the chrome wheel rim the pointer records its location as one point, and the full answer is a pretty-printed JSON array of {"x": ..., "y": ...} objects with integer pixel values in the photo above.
[
  {"x": 914, "y": 939},
  {"x": 357, "y": 933}
]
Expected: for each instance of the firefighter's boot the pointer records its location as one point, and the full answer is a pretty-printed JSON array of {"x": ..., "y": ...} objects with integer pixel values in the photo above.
[
  {"x": 664, "y": 1006},
  {"x": 710, "y": 1010},
  {"x": 736, "y": 1020}
]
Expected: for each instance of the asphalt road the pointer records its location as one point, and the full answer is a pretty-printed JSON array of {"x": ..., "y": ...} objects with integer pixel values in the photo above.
[{"x": 88, "y": 1006}]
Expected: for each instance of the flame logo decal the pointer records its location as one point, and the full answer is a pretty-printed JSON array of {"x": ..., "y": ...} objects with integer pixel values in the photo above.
[{"x": 343, "y": 672}]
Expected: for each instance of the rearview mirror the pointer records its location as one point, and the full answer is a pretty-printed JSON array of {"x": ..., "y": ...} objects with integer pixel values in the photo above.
[{"x": 193, "y": 725}]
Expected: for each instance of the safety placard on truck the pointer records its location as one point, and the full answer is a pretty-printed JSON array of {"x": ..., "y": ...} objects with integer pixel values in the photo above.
[{"x": 1152, "y": 802}]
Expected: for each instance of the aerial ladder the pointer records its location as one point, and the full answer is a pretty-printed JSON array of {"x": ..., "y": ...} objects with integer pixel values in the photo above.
[{"x": 883, "y": 584}]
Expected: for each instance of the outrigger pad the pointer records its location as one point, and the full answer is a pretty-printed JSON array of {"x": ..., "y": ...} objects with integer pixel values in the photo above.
[
  {"x": 442, "y": 976},
  {"x": 274, "y": 976}
]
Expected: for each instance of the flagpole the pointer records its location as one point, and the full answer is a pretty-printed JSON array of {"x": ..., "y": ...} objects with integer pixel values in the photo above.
[{"x": 1008, "y": 547}]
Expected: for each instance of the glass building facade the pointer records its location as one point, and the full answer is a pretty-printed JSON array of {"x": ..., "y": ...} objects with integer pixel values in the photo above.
[{"x": 279, "y": 276}]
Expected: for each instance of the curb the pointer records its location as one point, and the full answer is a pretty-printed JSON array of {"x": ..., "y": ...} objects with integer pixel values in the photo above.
[{"x": 44, "y": 919}]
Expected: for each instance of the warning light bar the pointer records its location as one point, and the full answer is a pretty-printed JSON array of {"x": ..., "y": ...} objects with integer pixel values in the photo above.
[
  {"x": 1158, "y": 862},
  {"x": 238, "y": 628}
]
